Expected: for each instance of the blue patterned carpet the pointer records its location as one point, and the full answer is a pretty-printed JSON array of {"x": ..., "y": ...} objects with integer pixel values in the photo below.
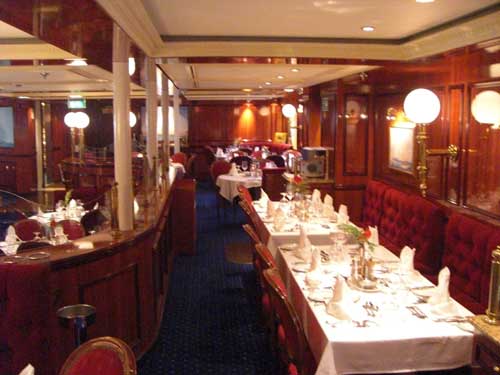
[{"x": 211, "y": 322}]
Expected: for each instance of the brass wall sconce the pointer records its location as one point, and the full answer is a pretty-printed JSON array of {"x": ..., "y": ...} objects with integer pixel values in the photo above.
[{"x": 422, "y": 107}]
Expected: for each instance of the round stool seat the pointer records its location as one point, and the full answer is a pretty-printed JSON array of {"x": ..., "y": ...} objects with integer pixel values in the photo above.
[{"x": 80, "y": 316}]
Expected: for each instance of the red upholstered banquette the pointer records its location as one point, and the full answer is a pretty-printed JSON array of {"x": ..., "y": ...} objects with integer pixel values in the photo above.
[{"x": 24, "y": 317}]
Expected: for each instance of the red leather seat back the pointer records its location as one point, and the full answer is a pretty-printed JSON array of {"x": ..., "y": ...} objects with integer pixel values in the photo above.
[
  {"x": 73, "y": 229},
  {"x": 24, "y": 317},
  {"x": 179, "y": 157},
  {"x": 372, "y": 203},
  {"x": 26, "y": 229},
  {"x": 422, "y": 228},
  {"x": 390, "y": 220},
  {"x": 465, "y": 253},
  {"x": 219, "y": 167},
  {"x": 98, "y": 361}
]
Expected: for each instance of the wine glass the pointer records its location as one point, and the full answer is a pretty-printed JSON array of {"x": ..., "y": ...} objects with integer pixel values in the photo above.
[
  {"x": 244, "y": 165},
  {"x": 290, "y": 191}
]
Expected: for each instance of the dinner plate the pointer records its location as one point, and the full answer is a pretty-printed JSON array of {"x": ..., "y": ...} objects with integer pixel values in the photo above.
[
  {"x": 302, "y": 267},
  {"x": 320, "y": 295},
  {"x": 38, "y": 255},
  {"x": 288, "y": 247}
]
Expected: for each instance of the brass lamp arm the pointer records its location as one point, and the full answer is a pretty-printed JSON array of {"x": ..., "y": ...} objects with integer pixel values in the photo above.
[{"x": 451, "y": 152}]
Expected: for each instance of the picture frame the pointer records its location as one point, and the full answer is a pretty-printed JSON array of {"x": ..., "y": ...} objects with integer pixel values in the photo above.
[{"x": 402, "y": 149}]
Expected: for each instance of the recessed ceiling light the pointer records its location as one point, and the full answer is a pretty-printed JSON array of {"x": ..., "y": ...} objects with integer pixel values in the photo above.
[
  {"x": 268, "y": 83},
  {"x": 368, "y": 29},
  {"x": 23, "y": 97},
  {"x": 246, "y": 90},
  {"x": 75, "y": 96},
  {"x": 424, "y": 1},
  {"x": 77, "y": 62},
  {"x": 295, "y": 70},
  {"x": 279, "y": 76},
  {"x": 288, "y": 90},
  {"x": 260, "y": 86}
]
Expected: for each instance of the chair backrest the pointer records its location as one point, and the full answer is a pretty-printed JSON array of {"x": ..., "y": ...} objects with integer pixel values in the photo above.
[
  {"x": 277, "y": 159},
  {"x": 239, "y": 159},
  {"x": 296, "y": 343},
  {"x": 259, "y": 226},
  {"x": 92, "y": 221},
  {"x": 26, "y": 229},
  {"x": 25, "y": 314},
  {"x": 30, "y": 245},
  {"x": 179, "y": 157},
  {"x": 219, "y": 167},
  {"x": 265, "y": 257},
  {"x": 72, "y": 228},
  {"x": 273, "y": 182},
  {"x": 101, "y": 356},
  {"x": 245, "y": 194},
  {"x": 251, "y": 233}
]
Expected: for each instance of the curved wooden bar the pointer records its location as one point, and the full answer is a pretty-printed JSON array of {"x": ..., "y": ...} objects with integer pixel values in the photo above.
[{"x": 125, "y": 278}]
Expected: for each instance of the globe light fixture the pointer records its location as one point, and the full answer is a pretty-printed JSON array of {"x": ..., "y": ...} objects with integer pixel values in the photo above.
[
  {"x": 486, "y": 108},
  {"x": 131, "y": 66},
  {"x": 81, "y": 120},
  {"x": 289, "y": 110},
  {"x": 422, "y": 107},
  {"x": 132, "y": 119},
  {"x": 69, "y": 120}
]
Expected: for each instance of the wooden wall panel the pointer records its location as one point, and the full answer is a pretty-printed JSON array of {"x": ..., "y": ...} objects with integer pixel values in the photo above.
[
  {"x": 355, "y": 135},
  {"x": 222, "y": 122}
]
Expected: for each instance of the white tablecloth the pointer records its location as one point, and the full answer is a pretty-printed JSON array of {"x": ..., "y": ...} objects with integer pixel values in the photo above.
[
  {"x": 229, "y": 184},
  {"x": 398, "y": 342}
]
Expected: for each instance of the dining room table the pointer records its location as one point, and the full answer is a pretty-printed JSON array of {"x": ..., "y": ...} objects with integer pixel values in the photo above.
[
  {"x": 228, "y": 183},
  {"x": 390, "y": 327}
]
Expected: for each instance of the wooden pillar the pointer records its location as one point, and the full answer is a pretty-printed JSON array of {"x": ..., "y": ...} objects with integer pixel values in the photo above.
[
  {"x": 152, "y": 114},
  {"x": 165, "y": 103},
  {"x": 177, "y": 115},
  {"x": 122, "y": 133}
]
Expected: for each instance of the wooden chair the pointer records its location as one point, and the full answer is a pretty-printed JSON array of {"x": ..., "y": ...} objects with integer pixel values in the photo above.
[
  {"x": 72, "y": 228},
  {"x": 101, "y": 356},
  {"x": 277, "y": 159},
  {"x": 26, "y": 229},
  {"x": 294, "y": 349}
]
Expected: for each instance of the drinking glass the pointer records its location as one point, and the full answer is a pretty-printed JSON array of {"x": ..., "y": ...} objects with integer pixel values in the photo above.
[
  {"x": 290, "y": 191},
  {"x": 244, "y": 165}
]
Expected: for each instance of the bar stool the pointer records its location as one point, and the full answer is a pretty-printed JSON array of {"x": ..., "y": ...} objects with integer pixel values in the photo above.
[{"x": 81, "y": 316}]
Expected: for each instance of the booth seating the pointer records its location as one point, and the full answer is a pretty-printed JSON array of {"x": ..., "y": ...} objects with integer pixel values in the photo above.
[
  {"x": 461, "y": 243},
  {"x": 24, "y": 317}
]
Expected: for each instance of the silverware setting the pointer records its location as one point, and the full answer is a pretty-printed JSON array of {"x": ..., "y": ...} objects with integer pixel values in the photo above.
[
  {"x": 454, "y": 319},
  {"x": 415, "y": 310},
  {"x": 370, "y": 308}
]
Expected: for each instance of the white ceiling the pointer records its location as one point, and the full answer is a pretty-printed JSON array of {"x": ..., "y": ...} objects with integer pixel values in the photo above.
[
  {"x": 393, "y": 19},
  {"x": 237, "y": 77},
  {"x": 57, "y": 81}
]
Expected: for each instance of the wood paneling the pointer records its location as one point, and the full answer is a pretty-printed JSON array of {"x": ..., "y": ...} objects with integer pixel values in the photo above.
[
  {"x": 355, "y": 135},
  {"x": 221, "y": 122}
]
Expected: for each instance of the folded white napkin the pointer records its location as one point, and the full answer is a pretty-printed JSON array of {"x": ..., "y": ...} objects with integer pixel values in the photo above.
[
  {"x": 328, "y": 211},
  {"x": 328, "y": 200},
  {"x": 28, "y": 370},
  {"x": 233, "y": 171},
  {"x": 11, "y": 236},
  {"x": 279, "y": 220},
  {"x": 271, "y": 210},
  {"x": 264, "y": 198},
  {"x": 316, "y": 196},
  {"x": 219, "y": 152},
  {"x": 304, "y": 249},
  {"x": 442, "y": 293},
  {"x": 72, "y": 203},
  {"x": 406, "y": 260},
  {"x": 336, "y": 306},
  {"x": 373, "y": 235},
  {"x": 343, "y": 210},
  {"x": 315, "y": 275},
  {"x": 96, "y": 206},
  {"x": 303, "y": 241},
  {"x": 342, "y": 218}
]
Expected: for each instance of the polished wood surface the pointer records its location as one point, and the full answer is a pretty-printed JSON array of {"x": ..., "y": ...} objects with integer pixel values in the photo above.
[
  {"x": 125, "y": 277},
  {"x": 219, "y": 123}
]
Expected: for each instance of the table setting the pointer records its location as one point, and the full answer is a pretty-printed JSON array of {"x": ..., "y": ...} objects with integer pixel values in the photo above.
[
  {"x": 356, "y": 302},
  {"x": 228, "y": 183}
]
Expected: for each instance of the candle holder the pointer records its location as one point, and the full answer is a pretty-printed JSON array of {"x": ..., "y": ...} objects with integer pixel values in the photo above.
[{"x": 493, "y": 311}]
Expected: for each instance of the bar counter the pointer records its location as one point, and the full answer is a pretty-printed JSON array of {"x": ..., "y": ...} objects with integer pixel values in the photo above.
[{"x": 125, "y": 277}]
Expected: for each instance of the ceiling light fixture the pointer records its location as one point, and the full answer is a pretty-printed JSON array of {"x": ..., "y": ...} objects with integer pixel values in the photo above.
[
  {"x": 246, "y": 90},
  {"x": 268, "y": 83},
  {"x": 75, "y": 96},
  {"x": 77, "y": 62},
  {"x": 288, "y": 89},
  {"x": 424, "y": 1},
  {"x": 295, "y": 70},
  {"x": 368, "y": 29},
  {"x": 279, "y": 76},
  {"x": 23, "y": 97}
]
